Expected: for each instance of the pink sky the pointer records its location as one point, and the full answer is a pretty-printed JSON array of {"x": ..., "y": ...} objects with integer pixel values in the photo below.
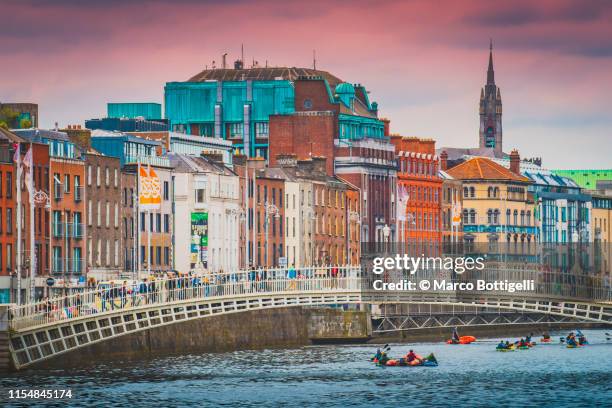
[{"x": 423, "y": 61}]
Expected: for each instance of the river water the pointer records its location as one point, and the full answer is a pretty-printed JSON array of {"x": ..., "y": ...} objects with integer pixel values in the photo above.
[{"x": 340, "y": 376}]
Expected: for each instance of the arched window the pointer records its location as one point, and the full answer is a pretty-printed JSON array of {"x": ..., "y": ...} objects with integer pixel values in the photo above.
[
  {"x": 508, "y": 219},
  {"x": 490, "y": 216},
  {"x": 472, "y": 192},
  {"x": 522, "y": 217},
  {"x": 473, "y": 216},
  {"x": 528, "y": 217},
  {"x": 496, "y": 192},
  {"x": 466, "y": 217},
  {"x": 496, "y": 217},
  {"x": 490, "y": 192},
  {"x": 465, "y": 192},
  {"x": 515, "y": 218}
]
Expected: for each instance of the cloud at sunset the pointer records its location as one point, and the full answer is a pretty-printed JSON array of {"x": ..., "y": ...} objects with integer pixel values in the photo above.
[{"x": 423, "y": 61}]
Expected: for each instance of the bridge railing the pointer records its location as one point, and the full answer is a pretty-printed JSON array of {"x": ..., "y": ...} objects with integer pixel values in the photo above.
[{"x": 150, "y": 292}]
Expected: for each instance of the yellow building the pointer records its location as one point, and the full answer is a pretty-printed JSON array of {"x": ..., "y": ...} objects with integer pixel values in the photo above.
[
  {"x": 496, "y": 204},
  {"x": 601, "y": 231}
]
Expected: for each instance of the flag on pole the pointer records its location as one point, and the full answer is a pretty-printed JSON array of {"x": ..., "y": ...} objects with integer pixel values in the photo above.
[
  {"x": 150, "y": 189},
  {"x": 28, "y": 164}
]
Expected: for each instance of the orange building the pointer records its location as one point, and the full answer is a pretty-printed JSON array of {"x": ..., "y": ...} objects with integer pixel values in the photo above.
[{"x": 419, "y": 192}]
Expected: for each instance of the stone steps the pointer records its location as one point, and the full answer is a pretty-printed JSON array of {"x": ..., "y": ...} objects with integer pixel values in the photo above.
[{"x": 4, "y": 351}]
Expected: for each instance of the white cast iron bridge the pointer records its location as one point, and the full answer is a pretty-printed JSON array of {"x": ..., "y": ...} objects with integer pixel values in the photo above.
[{"x": 44, "y": 330}]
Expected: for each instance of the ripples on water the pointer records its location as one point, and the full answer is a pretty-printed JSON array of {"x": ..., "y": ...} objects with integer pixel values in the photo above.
[{"x": 342, "y": 376}]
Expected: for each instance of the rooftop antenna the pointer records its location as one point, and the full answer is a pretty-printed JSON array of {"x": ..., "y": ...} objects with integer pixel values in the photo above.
[{"x": 314, "y": 59}]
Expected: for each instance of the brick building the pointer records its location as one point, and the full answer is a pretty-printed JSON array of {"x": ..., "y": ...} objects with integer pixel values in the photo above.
[
  {"x": 420, "y": 188},
  {"x": 344, "y": 127},
  {"x": 66, "y": 177},
  {"x": 129, "y": 218},
  {"x": 104, "y": 208},
  {"x": 451, "y": 205}
]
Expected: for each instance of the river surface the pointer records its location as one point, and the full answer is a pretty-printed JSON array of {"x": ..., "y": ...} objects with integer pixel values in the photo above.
[{"x": 472, "y": 375}]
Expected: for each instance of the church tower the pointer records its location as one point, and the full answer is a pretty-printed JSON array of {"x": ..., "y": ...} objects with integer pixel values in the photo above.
[{"x": 491, "y": 112}]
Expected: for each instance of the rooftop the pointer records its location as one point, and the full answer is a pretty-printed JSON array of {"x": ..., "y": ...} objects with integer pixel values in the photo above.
[
  {"x": 263, "y": 74},
  {"x": 481, "y": 168}
]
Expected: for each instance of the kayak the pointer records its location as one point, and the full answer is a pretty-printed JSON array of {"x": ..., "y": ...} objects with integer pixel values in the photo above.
[
  {"x": 543, "y": 340},
  {"x": 462, "y": 340},
  {"x": 523, "y": 347},
  {"x": 506, "y": 349},
  {"x": 414, "y": 363}
]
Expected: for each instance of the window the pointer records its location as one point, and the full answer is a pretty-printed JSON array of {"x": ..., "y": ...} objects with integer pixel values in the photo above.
[
  {"x": 158, "y": 222},
  {"x": 116, "y": 177},
  {"x": 262, "y": 130},
  {"x": 9, "y": 221},
  {"x": 142, "y": 221},
  {"x": 200, "y": 195},
  {"x": 89, "y": 175},
  {"x": 166, "y": 190},
  {"x": 116, "y": 252},
  {"x": 9, "y": 257},
  {"x": 107, "y": 214},
  {"x": 9, "y": 186},
  {"x": 98, "y": 176},
  {"x": 106, "y": 176},
  {"x": 116, "y": 215},
  {"x": 166, "y": 256},
  {"x": 66, "y": 183},
  {"x": 158, "y": 253},
  {"x": 166, "y": 223},
  {"x": 235, "y": 131}
]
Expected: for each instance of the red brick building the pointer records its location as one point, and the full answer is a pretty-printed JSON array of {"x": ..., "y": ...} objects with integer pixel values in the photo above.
[
  {"x": 343, "y": 126},
  {"x": 420, "y": 188}
]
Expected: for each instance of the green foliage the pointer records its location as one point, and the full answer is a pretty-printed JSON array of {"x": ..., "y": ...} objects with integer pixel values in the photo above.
[
  {"x": 9, "y": 117},
  {"x": 25, "y": 124}
]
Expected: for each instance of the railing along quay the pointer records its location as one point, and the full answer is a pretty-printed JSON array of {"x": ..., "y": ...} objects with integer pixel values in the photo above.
[{"x": 156, "y": 291}]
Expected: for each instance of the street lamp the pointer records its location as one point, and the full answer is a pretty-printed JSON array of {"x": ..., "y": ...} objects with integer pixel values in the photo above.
[
  {"x": 270, "y": 209},
  {"x": 41, "y": 198},
  {"x": 386, "y": 234}
]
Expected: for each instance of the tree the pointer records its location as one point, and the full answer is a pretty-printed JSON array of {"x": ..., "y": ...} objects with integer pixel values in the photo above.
[{"x": 9, "y": 117}]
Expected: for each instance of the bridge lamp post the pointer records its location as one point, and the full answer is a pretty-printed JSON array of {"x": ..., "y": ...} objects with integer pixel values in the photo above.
[
  {"x": 386, "y": 236},
  {"x": 270, "y": 210}
]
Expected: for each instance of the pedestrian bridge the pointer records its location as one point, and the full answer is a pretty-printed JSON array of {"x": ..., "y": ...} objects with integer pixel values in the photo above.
[{"x": 50, "y": 328}]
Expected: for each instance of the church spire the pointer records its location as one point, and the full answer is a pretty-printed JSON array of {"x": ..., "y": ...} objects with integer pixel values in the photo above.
[{"x": 490, "y": 72}]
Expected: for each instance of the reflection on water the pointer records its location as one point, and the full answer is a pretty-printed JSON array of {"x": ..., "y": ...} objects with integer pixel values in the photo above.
[{"x": 470, "y": 375}]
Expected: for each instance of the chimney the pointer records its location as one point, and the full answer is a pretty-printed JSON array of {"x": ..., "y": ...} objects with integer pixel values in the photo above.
[
  {"x": 239, "y": 159},
  {"x": 319, "y": 164},
  {"x": 213, "y": 157},
  {"x": 443, "y": 160},
  {"x": 286, "y": 160},
  {"x": 387, "y": 124},
  {"x": 515, "y": 162}
]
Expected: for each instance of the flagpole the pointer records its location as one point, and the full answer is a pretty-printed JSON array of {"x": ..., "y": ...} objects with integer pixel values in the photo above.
[
  {"x": 138, "y": 226},
  {"x": 33, "y": 260},
  {"x": 18, "y": 189}
]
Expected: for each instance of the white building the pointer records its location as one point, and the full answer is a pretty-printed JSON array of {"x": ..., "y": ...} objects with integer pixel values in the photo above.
[{"x": 207, "y": 214}]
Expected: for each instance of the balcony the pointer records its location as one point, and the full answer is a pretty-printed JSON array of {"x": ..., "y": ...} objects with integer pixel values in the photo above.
[
  {"x": 152, "y": 160},
  {"x": 67, "y": 265}
]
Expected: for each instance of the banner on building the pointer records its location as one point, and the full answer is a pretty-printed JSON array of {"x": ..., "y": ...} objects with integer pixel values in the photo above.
[
  {"x": 456, "y": 215},
  {"x": 149, "y": 196},
  {"x": 199, "y": 239},
  {"x": 402, "y": 201}
]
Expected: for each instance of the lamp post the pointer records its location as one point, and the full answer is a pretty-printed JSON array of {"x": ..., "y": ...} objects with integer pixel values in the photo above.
[
  {"x": 41, "y": 197},
  {"x": 386, "y": 234},
  {"x": 270, "y": 210}
]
